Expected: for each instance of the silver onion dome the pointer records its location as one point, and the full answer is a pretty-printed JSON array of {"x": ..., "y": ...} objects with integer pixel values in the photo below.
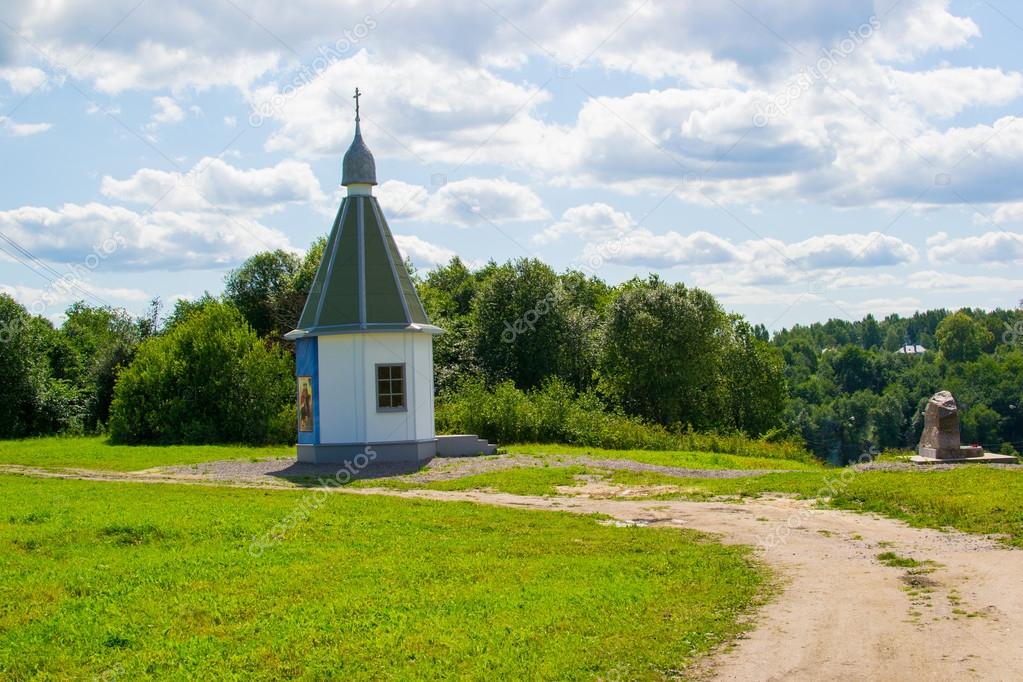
[{"x": 358, "y": 166}]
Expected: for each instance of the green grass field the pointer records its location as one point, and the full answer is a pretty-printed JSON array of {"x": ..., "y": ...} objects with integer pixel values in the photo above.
[
  {"x": 132, "y": 581},
  {"x": 119, "y": 580},
  {"x": 94, "y": 452},
  {"x": 677, "y": 458}
]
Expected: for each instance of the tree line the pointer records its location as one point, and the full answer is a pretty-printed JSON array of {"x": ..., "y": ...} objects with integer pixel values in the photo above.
[
  {"x": 850, "y": 389},
  {"x": 667, "y": 355}
]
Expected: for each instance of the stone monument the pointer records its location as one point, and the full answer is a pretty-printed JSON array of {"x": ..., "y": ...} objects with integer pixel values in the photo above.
[{"x": 940, "y": 441}]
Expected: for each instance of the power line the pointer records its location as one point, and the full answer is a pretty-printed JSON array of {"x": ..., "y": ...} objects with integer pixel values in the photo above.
[
  {"x": 17, "y": 258},
  {"x": 34, "y": 260}
]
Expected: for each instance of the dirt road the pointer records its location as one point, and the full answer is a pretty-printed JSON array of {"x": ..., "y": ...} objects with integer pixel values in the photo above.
[{"x": 842, "y": 614}]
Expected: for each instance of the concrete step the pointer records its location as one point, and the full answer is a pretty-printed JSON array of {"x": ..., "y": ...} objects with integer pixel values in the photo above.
[{"x": 463, "y": 445}]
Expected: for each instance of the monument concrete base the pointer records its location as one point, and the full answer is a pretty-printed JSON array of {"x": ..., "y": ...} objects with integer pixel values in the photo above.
[{"x": 983, "y": 458}]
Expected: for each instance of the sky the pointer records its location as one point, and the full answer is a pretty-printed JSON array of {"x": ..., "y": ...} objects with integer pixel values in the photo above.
[{"x": 801, "y": 160}]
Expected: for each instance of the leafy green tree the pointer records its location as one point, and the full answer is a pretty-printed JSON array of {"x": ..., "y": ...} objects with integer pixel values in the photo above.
[
  {"x": 755, "y": 381},
  {"x": 260, "y": 289},
  {"x": 447, "y": 291},
  {"x": 17, "y": 391},
  {"x": 961, "y": 338},
  {"x": 209, "y": 379},
  {"x": 663, "y": 353},
  {"x": 184, "y": 308},
  {"x": 102, "y": 341},
  {"x": 895, "y": 337},
  {"x": 870, "y": 333},
  {"x": 887, "y": 419},
  {"x": 585, "y": 301},
  {"x": 32, "y": 400},
  {"x": 980, "y": 424},
  {"x": 518, "y": 324},
  {"x": 853, "y": 369}
]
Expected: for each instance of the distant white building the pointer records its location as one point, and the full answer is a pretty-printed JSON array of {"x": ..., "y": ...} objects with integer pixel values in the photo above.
[{"x": 912, "y": 349}]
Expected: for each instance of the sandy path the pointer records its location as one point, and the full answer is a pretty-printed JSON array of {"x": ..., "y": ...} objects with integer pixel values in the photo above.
[{"x": 841, "y": 615}]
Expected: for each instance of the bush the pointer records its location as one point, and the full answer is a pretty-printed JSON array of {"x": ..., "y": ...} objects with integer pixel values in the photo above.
[
  {"x": 1008, "y": 449},
  {"x": 59, "y": 408},
  {"x": 209, "y": 379},
  {"x": 554, "y": 413}
]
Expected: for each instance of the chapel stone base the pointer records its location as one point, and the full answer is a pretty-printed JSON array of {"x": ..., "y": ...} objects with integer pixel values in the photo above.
[
  {"x": 464, "y": 445},
  {"x": 361, "y": 455}
]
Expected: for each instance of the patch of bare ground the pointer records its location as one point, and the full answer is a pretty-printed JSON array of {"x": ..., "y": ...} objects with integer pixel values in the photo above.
[{"x": 286, "y": 471}]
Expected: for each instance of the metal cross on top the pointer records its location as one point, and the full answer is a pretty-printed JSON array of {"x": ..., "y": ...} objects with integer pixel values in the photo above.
[{"x": 356, "y": 98}]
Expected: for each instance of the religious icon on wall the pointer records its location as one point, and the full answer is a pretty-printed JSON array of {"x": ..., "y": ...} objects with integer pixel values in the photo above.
[{"x": 305, "y": 403}]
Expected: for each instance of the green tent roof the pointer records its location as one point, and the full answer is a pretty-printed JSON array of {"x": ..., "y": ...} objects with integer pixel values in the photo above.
[{"x": 362, "y": 283}]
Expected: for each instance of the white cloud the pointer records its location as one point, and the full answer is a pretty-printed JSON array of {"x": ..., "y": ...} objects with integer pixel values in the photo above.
[
  {"x": 165, "y": 110},
  {"x": 23, "y": 79},
  {"x": 477, "y": 200},
  {"x": 215, "y": 184},
  {"x": 764, "y": 261},
  {"x": 870, "y": 281},
  {"x": 879, "y": 307},
  {"x": 909, "y": 29},
  {"x": 857, "y": 144},
  {"x": 151, "y": 66},
  {"x": 932, "y": 280},
  {"x": 1006, "y": 213},
  {"x": 422, "y": 252},
  {"x": 401, "y": 199},
  {"x": 699, "y": 68},
  {"x": 468, "y": 202},
  {"x": 946, "y": 92},
  {"x": 195, "y": 45},
  {"x": 414, "y": 105},
  {"x": 119, "y": 239},
  {"x": 990, "y": 247},
  {"x": 851, "y": 250},
  {"x": 642, "y": 247},
  {"x": 732, "y": 294},
  {"x": 15, "y": 129},
  {"x": 94, "y": 108},
  {"x": 591, "y": 221}
]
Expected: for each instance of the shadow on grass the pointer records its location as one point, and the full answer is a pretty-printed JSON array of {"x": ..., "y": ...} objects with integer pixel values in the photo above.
[{"x": 309, "y": 475}]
